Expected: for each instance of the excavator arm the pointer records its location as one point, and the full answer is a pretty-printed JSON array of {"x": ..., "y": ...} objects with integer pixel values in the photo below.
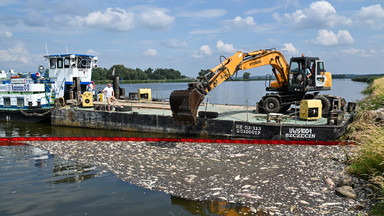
[{"x": 185, "y": 103}]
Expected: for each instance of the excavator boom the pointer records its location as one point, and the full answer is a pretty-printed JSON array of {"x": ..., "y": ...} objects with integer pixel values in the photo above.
[{"x": 185, "y": 103}]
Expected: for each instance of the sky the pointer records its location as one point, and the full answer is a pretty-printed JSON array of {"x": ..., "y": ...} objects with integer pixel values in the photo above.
[{"x": 192, "y": 35}]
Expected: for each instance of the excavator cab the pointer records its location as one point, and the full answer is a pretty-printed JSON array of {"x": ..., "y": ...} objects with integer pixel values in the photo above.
[{"x": 306, "y": 73}]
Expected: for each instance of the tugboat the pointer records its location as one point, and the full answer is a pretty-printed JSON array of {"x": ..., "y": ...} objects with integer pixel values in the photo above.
[{"x": 30, "y": 97}]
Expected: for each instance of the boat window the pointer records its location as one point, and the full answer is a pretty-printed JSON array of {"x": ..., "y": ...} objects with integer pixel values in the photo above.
[
  {"x": 20, "y": 102},
  {"x": 66, "y": 62},
  {"x": 59, "y": 63},
  {"x": 78, "y": 62},
  {"x": 84, "y": 62},
  {"x": 52, "y": 63},
  {"x": 7, "y": 102}
]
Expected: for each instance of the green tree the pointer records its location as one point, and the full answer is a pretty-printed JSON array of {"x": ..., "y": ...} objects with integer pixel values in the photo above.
[
  {"x": 120, "y": 71},
  {"x": 101, "y": 74},
  {"x": 204, "y": 73},
  {"x": 246, "y": 75},
  {"x": 136, "y": 74}
]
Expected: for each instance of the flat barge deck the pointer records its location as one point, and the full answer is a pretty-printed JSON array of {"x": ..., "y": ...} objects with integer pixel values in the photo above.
[{"x": 233, "y": 121}]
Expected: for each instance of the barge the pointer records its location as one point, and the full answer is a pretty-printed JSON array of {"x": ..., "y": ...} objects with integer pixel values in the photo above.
[{"x": 232, "y": 121}]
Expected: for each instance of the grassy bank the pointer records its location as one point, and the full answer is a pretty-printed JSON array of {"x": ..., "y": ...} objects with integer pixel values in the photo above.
[
  {"x": 368, "y": 132},
  {"x": 367, "y": 79}
]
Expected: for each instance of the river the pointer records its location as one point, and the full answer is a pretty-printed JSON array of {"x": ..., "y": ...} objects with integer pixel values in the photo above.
[
  {"x": 36, "y": 182},
  {"x": 238, "y": 92}
]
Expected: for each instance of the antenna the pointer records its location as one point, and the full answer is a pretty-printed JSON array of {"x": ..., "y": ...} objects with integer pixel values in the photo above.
[
  {"x": 46, "y": 48},
  {"x": 66, "y": 48}
]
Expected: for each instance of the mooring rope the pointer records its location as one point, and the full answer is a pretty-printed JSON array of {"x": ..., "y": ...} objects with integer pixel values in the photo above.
[{"x": 34, "y": 113}]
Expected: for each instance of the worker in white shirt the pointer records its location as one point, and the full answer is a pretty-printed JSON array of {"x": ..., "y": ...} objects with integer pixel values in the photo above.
[{"x": 110, "y": 95}]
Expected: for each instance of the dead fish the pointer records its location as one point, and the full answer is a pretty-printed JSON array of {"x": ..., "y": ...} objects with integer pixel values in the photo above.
[
  {"x": 248, "y": 195},
  {"x": 237, "y": 177},
  {"x": 329, "y": 182}
]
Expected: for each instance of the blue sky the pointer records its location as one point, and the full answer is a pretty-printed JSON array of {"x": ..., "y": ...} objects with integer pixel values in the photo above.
[{"x": 192, "y": 35}]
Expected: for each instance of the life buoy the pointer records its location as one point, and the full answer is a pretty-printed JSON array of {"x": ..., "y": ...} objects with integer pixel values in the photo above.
[{"x": 93, "y": 85}]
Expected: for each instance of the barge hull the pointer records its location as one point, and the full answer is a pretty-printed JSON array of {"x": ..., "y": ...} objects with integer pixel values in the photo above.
[
  {"x": 28, "y": 116},
  {"x": 133, "y": 121}
]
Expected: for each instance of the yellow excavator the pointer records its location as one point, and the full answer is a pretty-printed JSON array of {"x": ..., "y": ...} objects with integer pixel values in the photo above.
[{"x": 293, "y": 81}]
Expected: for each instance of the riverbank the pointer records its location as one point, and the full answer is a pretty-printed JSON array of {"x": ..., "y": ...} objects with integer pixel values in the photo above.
[
  {"x": 104, "y": 82},
  {"x": 276, "y": 179},
  {"x": 368, "y": 132}
]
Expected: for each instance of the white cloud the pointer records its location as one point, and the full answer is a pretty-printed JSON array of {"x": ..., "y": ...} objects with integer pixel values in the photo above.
[
  {"x": 204, "y": 50},
  {"x": 227, "y": 48},
  {"x": 6, "y": 34},
  {"x": 320, "y": 14},
  {"x": 261, "y": 10},
  {"x": 150, "y": 52},
  {"x": 372, "y": 15},
  {"x": 359, "y": 52},
  {"x": 119, "y": 20},
  {"x": 156, "y": 19},
  {"x": 209, "y": 13},
  {"x": 239, "y": 22},
  {"x": 18, "y": 53},
  {"x": 329, "y": 38},
  {"x": 174, "y": 43},
  {"x": 92, "y": 52},
  {"x": 290, "y": 49},
  {"x": 116, "y": 19}
]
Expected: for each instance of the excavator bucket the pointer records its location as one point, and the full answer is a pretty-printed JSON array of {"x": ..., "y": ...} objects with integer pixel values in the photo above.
[{"x": 184, "y": 105}]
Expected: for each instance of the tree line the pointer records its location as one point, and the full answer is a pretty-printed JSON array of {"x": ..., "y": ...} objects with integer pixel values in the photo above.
[
  {"x": 207, "y": 72},
  {"x": 136, "y": 74}
]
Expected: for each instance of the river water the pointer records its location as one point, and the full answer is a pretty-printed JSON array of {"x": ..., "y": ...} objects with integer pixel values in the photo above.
[
  {"x": 238, "y": 92},
  {"x": 36, "y": 182}
]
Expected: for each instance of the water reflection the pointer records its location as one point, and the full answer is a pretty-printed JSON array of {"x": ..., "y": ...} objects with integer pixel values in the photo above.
[
  {"x": 19, "y": 129},
  {"x": 215, "y": 207},
  {"x": 70, "y": 172},
  {"x": 35, "y": 182}
]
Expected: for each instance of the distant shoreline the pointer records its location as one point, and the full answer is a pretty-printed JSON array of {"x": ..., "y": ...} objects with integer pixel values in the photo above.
[{"x": 102, "y": 82}]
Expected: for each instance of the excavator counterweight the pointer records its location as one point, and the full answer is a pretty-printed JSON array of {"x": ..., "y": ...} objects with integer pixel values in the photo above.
[{"x": 184, "y": 105}]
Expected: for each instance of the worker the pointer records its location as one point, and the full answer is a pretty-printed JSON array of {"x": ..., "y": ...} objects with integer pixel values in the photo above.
[
  {"x": 308, "y": 75},
  {"x": 91, "y": 86},
  {"x": 110, "y": 95},
  {"x": 305, "y": 74}
]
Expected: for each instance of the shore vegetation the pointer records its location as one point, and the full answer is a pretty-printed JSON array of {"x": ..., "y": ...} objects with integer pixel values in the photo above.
[{"x": 367, "y": 131}]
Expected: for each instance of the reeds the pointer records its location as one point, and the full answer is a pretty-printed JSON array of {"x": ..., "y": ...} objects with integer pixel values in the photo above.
[{"x": 368, "y": 132}]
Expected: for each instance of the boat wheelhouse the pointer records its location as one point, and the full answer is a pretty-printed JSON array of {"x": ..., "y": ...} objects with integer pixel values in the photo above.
[
  {"x": 63, "y": 68},
  {"x": 31, "y": 96}
]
